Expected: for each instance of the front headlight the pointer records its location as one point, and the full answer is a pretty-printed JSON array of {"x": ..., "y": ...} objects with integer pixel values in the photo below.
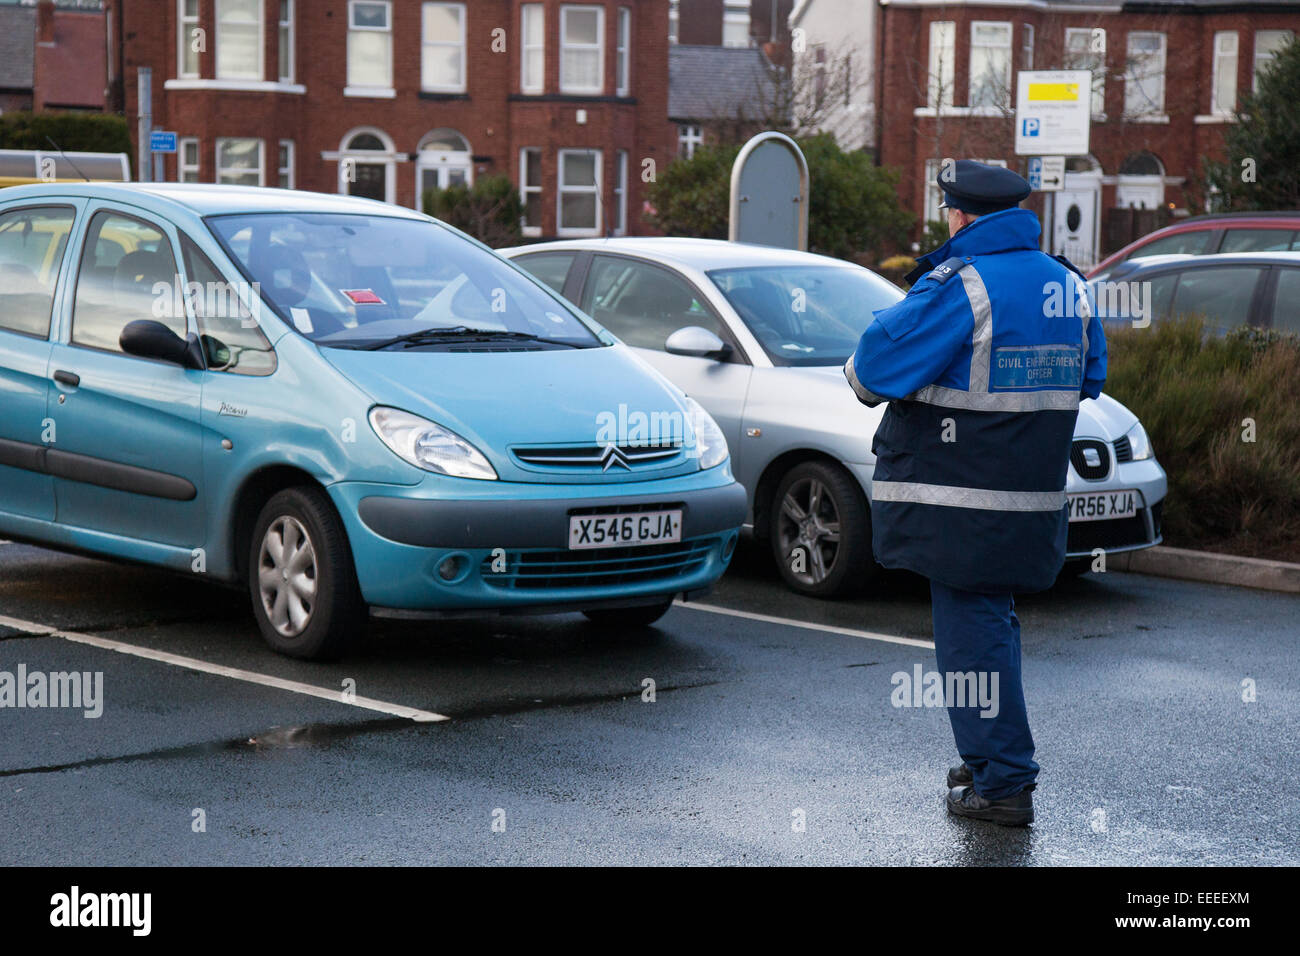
[
  {"x": 1140, "y": 443},
  {"x": 710, "y": 444},
  {"x": 427, "y": 445}
]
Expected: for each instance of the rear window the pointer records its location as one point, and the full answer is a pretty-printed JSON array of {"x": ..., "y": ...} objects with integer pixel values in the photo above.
[
  {"x": 1192, "y": 243},
  {"x": 1258, "y": 240}
]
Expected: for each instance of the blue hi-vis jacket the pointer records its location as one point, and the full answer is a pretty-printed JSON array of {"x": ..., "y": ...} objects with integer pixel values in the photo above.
[{"x": 983, "y": 365}]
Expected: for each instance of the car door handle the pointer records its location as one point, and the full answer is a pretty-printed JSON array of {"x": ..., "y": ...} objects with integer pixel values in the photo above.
[{"x": 70, "y": 379}]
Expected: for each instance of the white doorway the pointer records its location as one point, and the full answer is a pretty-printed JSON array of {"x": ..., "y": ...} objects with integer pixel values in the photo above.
[
  {"x": 442, "y": 159},
  {"x": 1076, "y": 213}
]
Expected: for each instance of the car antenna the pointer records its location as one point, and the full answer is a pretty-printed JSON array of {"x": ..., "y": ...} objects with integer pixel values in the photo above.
[{"x": 65, "y": 156}]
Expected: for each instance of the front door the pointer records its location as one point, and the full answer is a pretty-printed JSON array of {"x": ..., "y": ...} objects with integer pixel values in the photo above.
[
  {"x": 643, "y": 304},
  {"x": 127, "y": 452},
  {"x": 1074, "y": 220},
  {"x": 33, "y": 240}
]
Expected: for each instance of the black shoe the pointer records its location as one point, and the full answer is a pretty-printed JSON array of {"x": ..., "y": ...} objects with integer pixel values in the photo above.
[
  {"x": 1016, "y": 810},
  {"x": 960, "y": 776}
]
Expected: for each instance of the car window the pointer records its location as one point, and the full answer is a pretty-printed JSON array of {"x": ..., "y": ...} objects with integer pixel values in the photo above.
[
  {"x": 31, "y": 252},
  {"x": 231, "y": 340},
  {"x": 550, "y": 267},
  {"x": 643, "y": 304},
  {"x": 1125, "y": 300},
  {"x": 1222, "y": 296},
  {"x": 127, "y": 273},
  {"x": 1286, "y": 304},
  {"x": 367, "y": 281},
  {"x": 1192, "y": 242},
  {"x": 1257, "y": 240}
]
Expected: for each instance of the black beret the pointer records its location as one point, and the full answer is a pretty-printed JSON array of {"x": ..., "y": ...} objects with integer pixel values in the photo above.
[{"x": 978, "y": 189}]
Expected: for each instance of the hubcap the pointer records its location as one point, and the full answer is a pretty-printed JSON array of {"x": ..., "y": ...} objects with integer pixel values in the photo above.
[
  {"x": 809, "y": 531},
  {"x": 287, "y": 576}
]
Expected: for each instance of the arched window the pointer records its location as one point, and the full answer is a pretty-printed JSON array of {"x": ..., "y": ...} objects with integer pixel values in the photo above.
[
  {"x": 1141, "y": 183},
  {"x": 442, "y": 159},
  {"x": 367, "y": 161}
]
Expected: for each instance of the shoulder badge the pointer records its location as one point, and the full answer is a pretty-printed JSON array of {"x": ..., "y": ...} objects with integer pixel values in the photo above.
[{"x": 949, "y": 268}]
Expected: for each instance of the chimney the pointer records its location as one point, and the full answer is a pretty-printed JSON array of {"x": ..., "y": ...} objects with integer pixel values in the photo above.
[{"x": 45, "y": 22}]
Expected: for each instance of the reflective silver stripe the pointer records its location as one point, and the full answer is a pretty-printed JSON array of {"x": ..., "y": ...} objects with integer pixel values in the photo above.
[
  {"x": 950, "y": 496},
  {"x": 1048, "y": 400},
  {"x": 1085, "y": 312},
  {"x": 981, "y": 339},
  {"x": 864, "y": 394}
]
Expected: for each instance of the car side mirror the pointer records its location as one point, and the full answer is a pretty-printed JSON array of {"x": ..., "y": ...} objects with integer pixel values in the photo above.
[
  {"x": 148, "y": 338},
  {"x": 696, "y": 342}
]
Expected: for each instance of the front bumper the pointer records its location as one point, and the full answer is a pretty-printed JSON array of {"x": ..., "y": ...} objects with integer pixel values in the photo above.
[
  {"x": 1143, "y": 530},
  {"x": 508, "y": 545}
]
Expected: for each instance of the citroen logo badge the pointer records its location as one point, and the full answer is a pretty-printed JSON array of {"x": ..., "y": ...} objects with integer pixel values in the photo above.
[{"x": 611, "y": 457}]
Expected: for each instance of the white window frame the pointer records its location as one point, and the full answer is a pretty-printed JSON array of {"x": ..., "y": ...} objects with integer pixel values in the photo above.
[
  {"x": 620, "y": 192},
  {"x": 183, "y": 167},
  {"x": 1007, "y": 90},
  {"x": 527, "y": 187},
  {"x": 735, "y": 14},
  {"x": 379, "y": 91},
  {"x": 690, "y": 137},
  {"x": 184, "y": 27},
  {"x": 1155, "y": 110},
  {"x": 285, "y": 28},
  {"x": 623, "y": 53},
  {"x": 561, "y": 190},
  {"x": 1265, "y": 58},
  {"x": 529, "y": 44},
  {"x": 599, "y": 46},
  {"x": 386, "y": 158},
  {"x": 1226, "y": 57},
  {"x": 261, "y": 156},
  {"x": 285, "y": 172},
  {"x": 942, "y": 72},
  {"x": 1027, "y": 46},
  {"x": 674, "y": 22},
  {"x": 460, "y": 85},
  {"x": 261, "y": 46},
  {"x": 1089, "y": 59}
]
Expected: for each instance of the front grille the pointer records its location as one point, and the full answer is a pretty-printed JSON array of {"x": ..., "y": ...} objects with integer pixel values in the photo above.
[
  {"x": 1119, "y": 533},
  {"x": 1078, "y": 459},
  {"x": 601, "y": 458},
  {"x": 551, "y": 570},
  {"x": 1123, "y": 450}
]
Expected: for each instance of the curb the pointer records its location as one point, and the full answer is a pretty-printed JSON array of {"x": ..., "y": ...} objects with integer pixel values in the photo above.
[{"x": 1190, "y": 565}]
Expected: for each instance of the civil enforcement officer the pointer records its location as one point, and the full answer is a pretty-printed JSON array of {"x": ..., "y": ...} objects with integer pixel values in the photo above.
[{"x": 983, "y": 364}]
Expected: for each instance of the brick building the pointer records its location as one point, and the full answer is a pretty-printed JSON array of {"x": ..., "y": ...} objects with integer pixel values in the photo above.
[
  {"x": 52, "y": 57},
  {"x": 1165, "y": 80},
  {"x": 387, "y": 98}
]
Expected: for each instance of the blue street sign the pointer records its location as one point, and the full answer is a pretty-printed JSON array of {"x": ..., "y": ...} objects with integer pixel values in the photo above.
[
  {"x": 1036, "y": 172},
  {"x": 161, "y": 141}
]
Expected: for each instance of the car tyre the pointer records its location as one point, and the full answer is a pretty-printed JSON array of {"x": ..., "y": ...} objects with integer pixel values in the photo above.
[
  {"x": 629, "y": 618},
  {"x": 301, "y": 578},
  {"x": 819, "y": 509}
]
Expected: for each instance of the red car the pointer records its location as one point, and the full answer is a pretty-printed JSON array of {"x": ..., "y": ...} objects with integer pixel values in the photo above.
[{"x": 1207, "y": 235}]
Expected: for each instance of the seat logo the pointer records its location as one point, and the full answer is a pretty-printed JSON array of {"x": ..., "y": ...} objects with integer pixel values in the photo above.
[{"x": 1092, "y": 458}]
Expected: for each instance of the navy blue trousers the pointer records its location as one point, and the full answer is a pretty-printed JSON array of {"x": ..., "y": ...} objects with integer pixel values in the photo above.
[{"x": 980, "y": 634}]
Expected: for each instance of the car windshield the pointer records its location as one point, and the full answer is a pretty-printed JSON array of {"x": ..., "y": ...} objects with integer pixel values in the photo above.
[
  {"x": 806, "y": 315},
  {"x": 350, "y": 281}
]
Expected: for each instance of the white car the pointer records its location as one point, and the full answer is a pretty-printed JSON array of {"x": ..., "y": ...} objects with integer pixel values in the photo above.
[{"x": 759, "y": 336}]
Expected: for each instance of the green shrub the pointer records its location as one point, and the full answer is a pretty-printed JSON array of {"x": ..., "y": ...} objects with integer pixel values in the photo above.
[
  {"x": 490, "y": 210},
  {"x": 74, "y": 132},
  {"x": 1199, "y": 398}
]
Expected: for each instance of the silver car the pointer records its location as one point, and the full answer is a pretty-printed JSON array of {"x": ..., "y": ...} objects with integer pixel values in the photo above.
[{"x": 759, "y": 336}]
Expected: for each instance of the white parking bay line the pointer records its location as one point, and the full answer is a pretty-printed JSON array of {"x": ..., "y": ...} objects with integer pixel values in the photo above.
[
  {"x": 791, "y": 622},
  {"x": 234, "y": 673}
]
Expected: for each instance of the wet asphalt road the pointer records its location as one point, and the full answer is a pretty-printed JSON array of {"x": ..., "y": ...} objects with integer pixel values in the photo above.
[{"x": 1149, "y": 753}]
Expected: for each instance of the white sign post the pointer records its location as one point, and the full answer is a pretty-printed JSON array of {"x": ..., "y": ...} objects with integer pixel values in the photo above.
[{"x": 1053, "y": 112}]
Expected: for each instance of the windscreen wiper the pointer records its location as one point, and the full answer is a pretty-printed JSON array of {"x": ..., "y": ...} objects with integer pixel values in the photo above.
[{"x": 463, "y": 333}]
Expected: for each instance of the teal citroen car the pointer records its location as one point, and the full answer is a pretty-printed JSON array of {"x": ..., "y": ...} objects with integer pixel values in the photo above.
[{"x": 345, "y": 408}]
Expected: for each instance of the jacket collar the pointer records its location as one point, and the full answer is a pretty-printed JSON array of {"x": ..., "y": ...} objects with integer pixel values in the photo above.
[{"x": 1003, "y": 231}]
